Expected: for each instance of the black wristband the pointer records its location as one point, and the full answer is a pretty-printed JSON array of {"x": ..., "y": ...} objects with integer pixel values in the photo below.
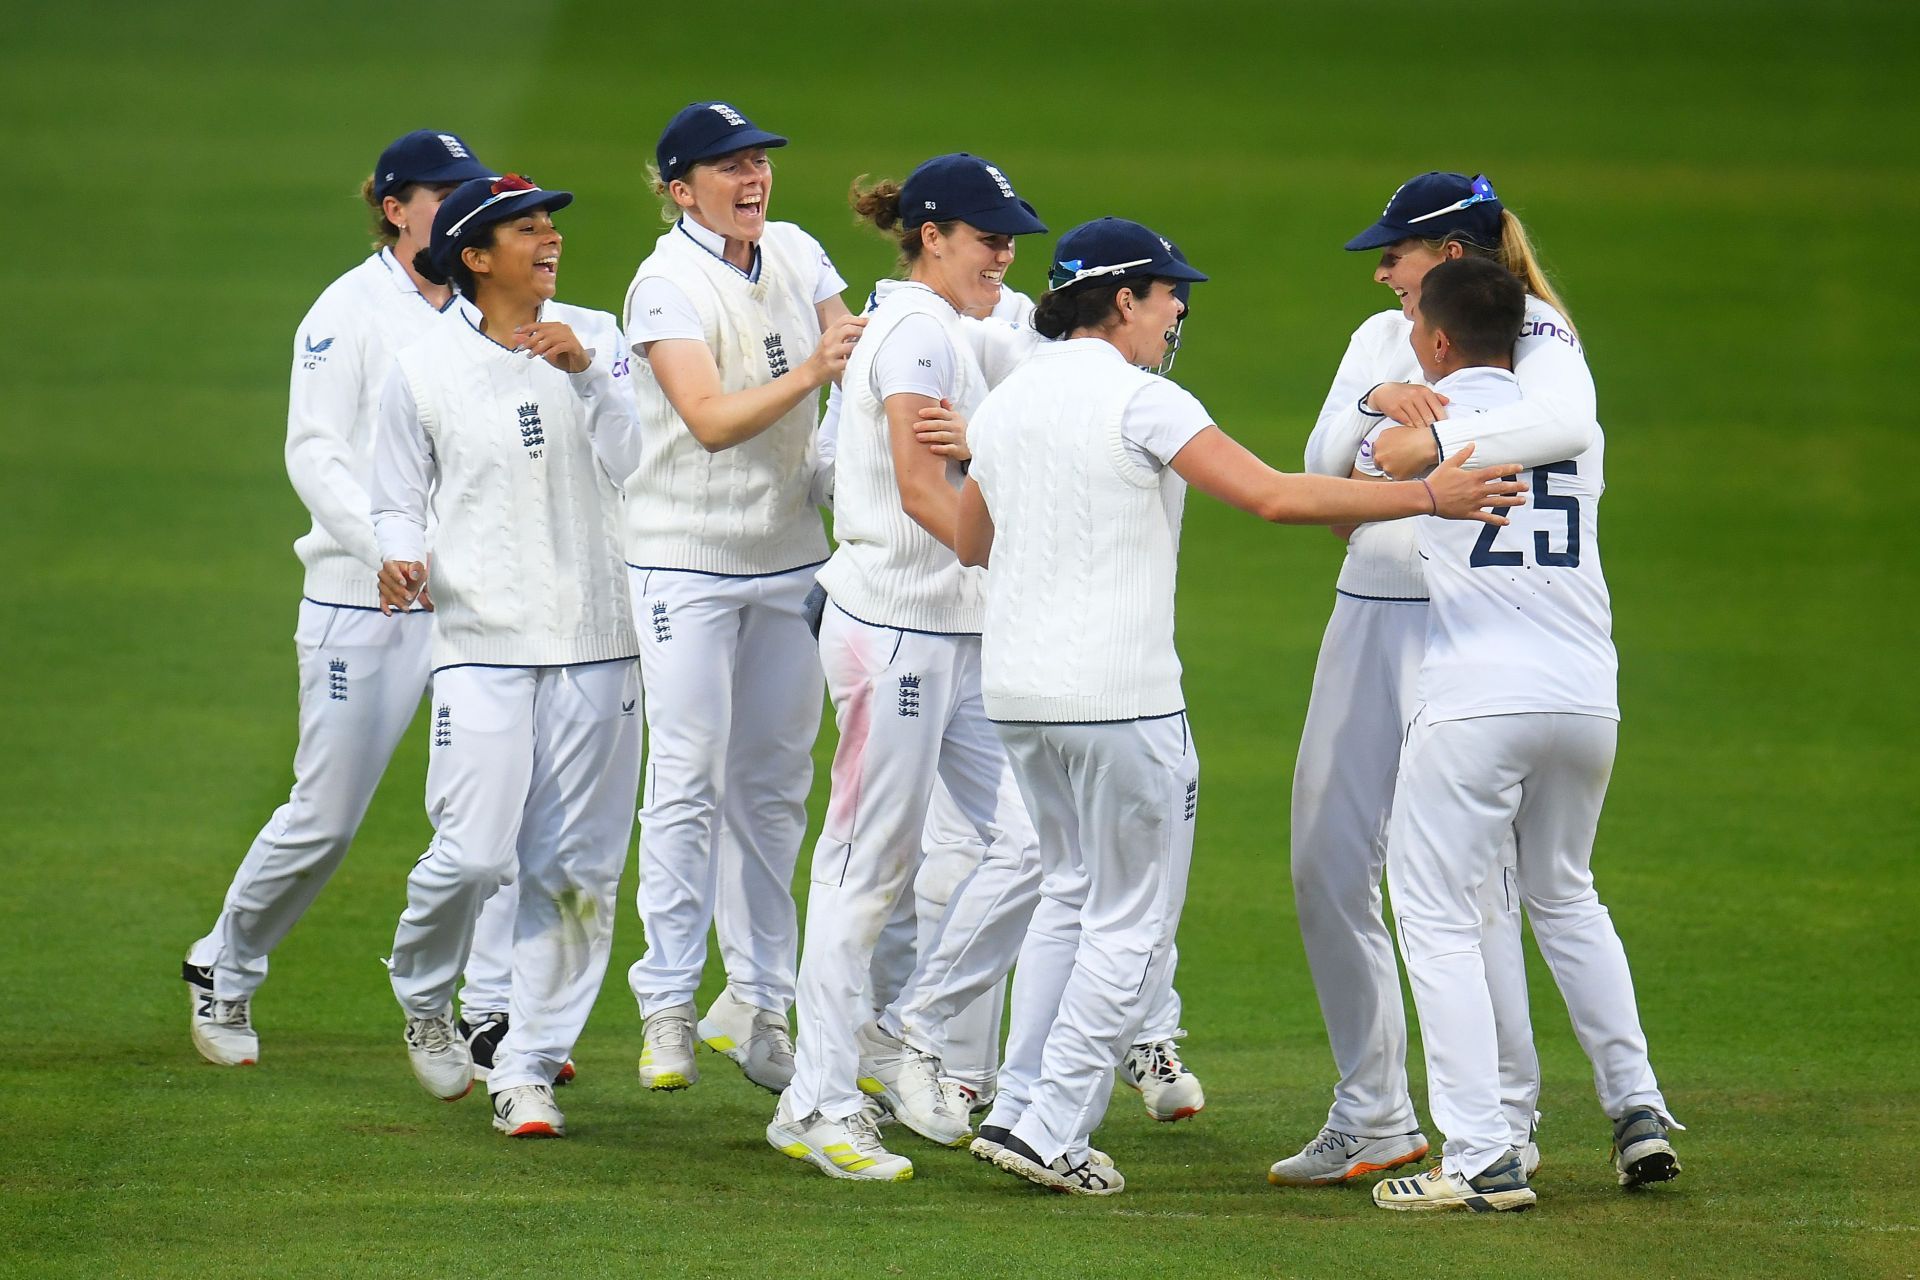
[
  {"x": 1439, "y": 450},
  {"x": 1362, "y": 403}
]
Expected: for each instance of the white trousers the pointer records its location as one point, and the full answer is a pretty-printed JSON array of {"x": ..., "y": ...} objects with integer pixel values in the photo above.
[
  {"x": 1114, "y": 805},
  {"x": 1464, "y": 784},
  {"x": 951, "y": 850},
  {"x": 909, "y": 712},
  {"x": 732, "y": 682},
  {"x": 531, "y": 776},
  {"x": 362, "y": 675},
  {"x": 1364, "y": 696}
]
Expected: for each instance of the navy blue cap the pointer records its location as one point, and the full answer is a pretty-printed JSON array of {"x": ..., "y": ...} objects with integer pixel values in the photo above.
[
  {"x": 1435, "y": 206},
  {"x": 1182, "y": 289},
  {"x": 474, "y": 206},
  {"x": 704, "y": 130},
  {"x": 965, "y": 188},
  {"x": 1117, "y": 247},
  {"x": 425, "y": 155}
]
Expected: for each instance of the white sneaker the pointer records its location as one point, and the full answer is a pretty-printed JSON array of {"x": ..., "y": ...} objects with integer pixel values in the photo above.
[
  {"x": 992, "y": 1138},
  {"x": 964, "y": 1099},
  {"x": 755, "y": 1039},
  {"x": 1170, "y": 1091},
  {"x": 483, "y": 1033},
  {"x": 1083, "y": 1179},
  {"x": 1529, "y": 1159},
  {"x": 666, "y": 1049},
  {"x": 222, "y": 1029},
  {"x": 1335, "y": 1157},
  {"x": 439, "y": 1057},
  {"x": 908, "y": 1082},
  {"x": 847, "y": 1148},
  {"x": 528, "y": 1111},
  {"x": 1501, "y": 1188}
]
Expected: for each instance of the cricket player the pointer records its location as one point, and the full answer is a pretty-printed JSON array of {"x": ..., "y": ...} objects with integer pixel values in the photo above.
[
  {"x": 361, "y": 674},
  {"x": 1514, "y": 733},
  {"x": 1081, "y": 462}
]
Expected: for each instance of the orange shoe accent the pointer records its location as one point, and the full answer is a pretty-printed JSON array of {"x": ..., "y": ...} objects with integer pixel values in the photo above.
[
  {"x": 463, "y": 1093},
  {"x": 565, "y": 1075},
  {"x": 1362, "y": 1169},
  {"x": 534, "y": 1129}
]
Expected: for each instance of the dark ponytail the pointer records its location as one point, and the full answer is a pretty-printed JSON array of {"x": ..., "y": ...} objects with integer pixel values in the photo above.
[
  {"x": 878, "y": 205},
  {"x": 456, "y": 275},
  {"x": 1087, "y": 305}
]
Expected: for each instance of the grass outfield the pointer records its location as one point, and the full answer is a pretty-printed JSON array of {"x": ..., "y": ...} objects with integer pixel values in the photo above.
[{"x": 1717, "y": 186}]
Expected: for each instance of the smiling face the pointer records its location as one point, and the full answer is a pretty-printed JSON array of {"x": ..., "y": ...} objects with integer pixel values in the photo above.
[
  {"x": 1149, "y": 323},
  {"x": 967, "y": 268},
  {"x": 1404, "y": 264},
  {"x": 728, "y": 194},
  {"x": 523, "y": 260}
]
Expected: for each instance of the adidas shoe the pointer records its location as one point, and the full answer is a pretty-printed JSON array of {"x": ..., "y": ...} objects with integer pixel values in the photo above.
[
  {"x": 757, "y": 1040},
  {"x": 1170, "y": 1091},
  {"x": 1500, "y": 1188},
  {"x": 483, "y": 1035},
  {"x": 1083, "y": 1179},
  {"x": 528, "y": 1111},
  {"x": 439, "y": 1057},
  {"x": 222, "y": 1029},
  {"x": 907, "y": 1082},
  {"x": 666, "y": 1049},
  {"x": 847, "y": 1148},
  {"x": 993, "y": 1137},
  {"x": 1334, "y": 1157},
  {"x": 1642, "y": 1152}
]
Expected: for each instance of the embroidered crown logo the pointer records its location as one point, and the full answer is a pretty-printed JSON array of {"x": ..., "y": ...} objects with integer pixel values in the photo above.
[
  {"x": 909, "y": 695},
  {"x": 337, "y": 679},
  {"x": 531, "y": 434},
  {"x": 1193, "y": 799},
  {"x": 776, "y": 355},
  {"x": 728, "y": 114},
  {"x": 662, "y": 628},
  {"x": 443, "y": 725}
]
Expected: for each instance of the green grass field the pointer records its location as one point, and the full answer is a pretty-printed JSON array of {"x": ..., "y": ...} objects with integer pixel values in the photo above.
[{"x": 1719, "y": 188}]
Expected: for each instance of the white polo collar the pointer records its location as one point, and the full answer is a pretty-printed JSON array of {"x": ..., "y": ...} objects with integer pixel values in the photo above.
[{"x": 716, "y": 244}]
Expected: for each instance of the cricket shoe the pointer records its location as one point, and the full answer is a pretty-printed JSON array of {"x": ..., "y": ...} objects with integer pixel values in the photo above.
[
  {"x": 907, "y": 1082},
  {"x": 847, "y": 1148},
  {"x": 666, "y": 1049},
  {"x": 222, "y": 1029},
  {"x": 565, "y": 1075},
  {"x": 964, "y": 1099},
  {"x": 756, "y": 1040},
  {"x": 1084, "y": 1178},
  {"x": 1334, "y": 1157},
  {"x": 993, "y": 1137},
  {"x": 483, "y": 1036},
  {"x": 1642, "y": 1152},
  {"x": 440, "y": 1060},
  {"x": 528, "y": 1111},
  {"x": 1500, "y": 1188},
  {"x": 1155, "y": 1071}
]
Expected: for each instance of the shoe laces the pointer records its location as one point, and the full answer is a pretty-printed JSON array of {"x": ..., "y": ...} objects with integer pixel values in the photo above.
[
  {"x": 1328, "y": 1140},
  {"x": 864, "y": 1134},
  {"x": 772, "y": 1029},
  {"x": 232, "y": 1013},
  {"x": 431, "y": 1035},
  {"x": 670, "y": 1031},
  {"x": 1162, "y": 1061}
]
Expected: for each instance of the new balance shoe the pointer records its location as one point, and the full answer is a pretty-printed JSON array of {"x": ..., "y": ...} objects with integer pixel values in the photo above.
[
  {"x": 1155, "y": 1071},
  {"x": 847, "y": 1148},
  {"x": 1500, "y": 1188},
  {"x": 1642, "y": 1151},
  {"x": 756, "y": 1040},
  {"x": 222, "y": 1029},
  {"x": 1084, "y": 1178},
  {"x": 483, "y": 1034},
  {"x": 907, "y": 1082},
  {"x": 439, "y": 1057},
  {"x": 528, "y": 1111},
  {"x": 565, "y": 1075},
  {"x": 993, "y": 1137},
  {"x": 666, "y": 1049},
  {"x": 1334, "y": 1157}
]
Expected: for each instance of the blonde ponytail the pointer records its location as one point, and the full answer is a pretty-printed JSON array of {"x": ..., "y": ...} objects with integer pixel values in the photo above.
[{"x": 1516, "y": 255}]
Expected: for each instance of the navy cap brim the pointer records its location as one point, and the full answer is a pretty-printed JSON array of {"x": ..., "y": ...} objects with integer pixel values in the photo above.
[
  {"x": 1178, "y": 271},
  {"x": 739, "y": 140},
  {"x": 1379, "y": 236},
  {"x": 1015, "y": 218},
  {"x": 454, "y": 171}
]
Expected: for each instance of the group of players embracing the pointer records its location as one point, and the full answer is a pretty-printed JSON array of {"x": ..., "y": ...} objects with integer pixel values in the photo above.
[{"x": 515, "y": 498}]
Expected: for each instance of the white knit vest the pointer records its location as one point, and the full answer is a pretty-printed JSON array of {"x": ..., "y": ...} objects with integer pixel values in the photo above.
[
  {"x": 887, "y": 570},
  {"x": 526, "y": 560},
  {"x": 1079, "y": 623},
  {"x": 743, "y": 510}
]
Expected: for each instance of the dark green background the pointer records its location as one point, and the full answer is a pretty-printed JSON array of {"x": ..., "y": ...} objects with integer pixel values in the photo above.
[{"x": 1726, "y": 193}]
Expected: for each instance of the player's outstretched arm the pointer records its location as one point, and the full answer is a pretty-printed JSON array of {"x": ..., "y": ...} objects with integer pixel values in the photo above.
[
  {"x": 719, "y": 419},
  {"x": 1217, "y": 464}
]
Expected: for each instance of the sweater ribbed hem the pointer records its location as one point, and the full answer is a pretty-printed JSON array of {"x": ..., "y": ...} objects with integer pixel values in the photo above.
[
  {"x": 530, "y": 651},
  {"x": 1064, "y": 709},
  {"x": 807, "y": 547},
  {"x": 1383, "y": 561},
  {"x": 342, "y": 580},
  {"x": 877, "y": 609}
]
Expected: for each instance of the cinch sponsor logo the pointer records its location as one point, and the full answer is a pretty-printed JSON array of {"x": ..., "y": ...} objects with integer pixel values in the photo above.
[{"x": 1548, "y": 329}]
